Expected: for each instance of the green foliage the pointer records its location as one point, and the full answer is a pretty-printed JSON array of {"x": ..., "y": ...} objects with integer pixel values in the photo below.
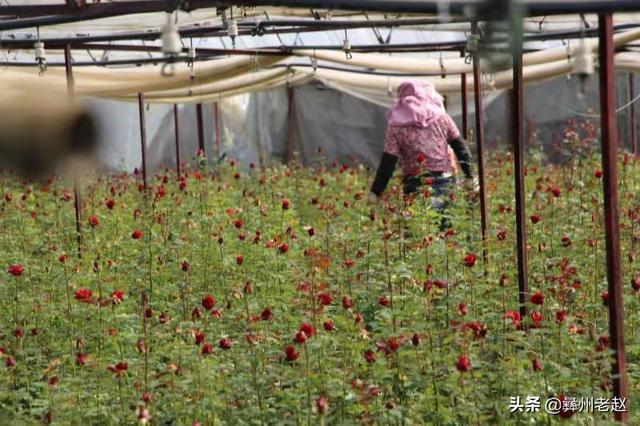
[{"x": 405, "y": 279}]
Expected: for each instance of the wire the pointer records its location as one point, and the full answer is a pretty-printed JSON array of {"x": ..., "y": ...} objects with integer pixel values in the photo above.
[{"x": 585, "y": 114}]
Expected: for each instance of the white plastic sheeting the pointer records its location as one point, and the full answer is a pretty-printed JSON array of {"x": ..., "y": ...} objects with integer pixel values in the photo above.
[{"x": 349, "y": 127}]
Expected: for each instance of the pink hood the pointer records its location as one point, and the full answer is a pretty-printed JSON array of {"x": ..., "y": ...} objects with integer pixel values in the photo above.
[{"x": 417, "y": 104}]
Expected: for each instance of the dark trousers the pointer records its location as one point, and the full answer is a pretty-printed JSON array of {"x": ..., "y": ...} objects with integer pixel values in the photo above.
[{"x": 440, "y": 189}]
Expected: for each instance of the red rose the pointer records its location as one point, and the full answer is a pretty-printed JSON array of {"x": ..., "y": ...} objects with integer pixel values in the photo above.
[
  {"x": 225, "y": 343},
  {"x": 561, "y": 317},
  {"x": 118, "y": 296},
  {"x": 566, "y": 410},
  {"x": 635, "y": 283},
  {"x": 370, "y": 356},
  {"x": 81, "y": 359},
  {"x": 535, "y": 218},
  {"x": 537, "y": 298},
  {"x": 301, "y": 337},
  {"x": 283, "y": 248},
  {"x": 536, "y": 317},
  {"x": 384, "y": 301},
  {"x": 308, "y": 329},
  {"x": 94, "y": 221},
  {"x": 238, "y": 223},
  {"x": 239, "y": 260},
  {"x": 311, "y": 232},
  {"x": 208, "y": 302},
  {"x": 565, "y": 241},
  {"x": 415, "y": 339},
  {"x": 463, "y": 364},
  {"x": 84, "y": 295},
  {"x": 199, "y": 338},
  {"x": 470, "y": 260},
  {"x": 16, "y": 269},
  {"x": 137, "y": 234},
  {"x": 605, "y": 298},
  {"x": 207, "y": 349},
  {"x": 598, "y": 174},
  {"x": 514, "y": 316},
  {"x": 118, "y": 369},
  {"x": 291, "y": 353},
  {"x": 346, "y": 302},
  {"x": 462, "y": 309},
  {"x": 325, "y": 299},
  {"x": 502, "y": 235},
  {"x": 11, "y": 362},
  {"x": 286, "y": 204},
  {"x": 266, "y": 314},
  {"x": 329, "y": 325},
  {"x": 110, "y": 204},
  {"x": 185, "y": 265}
]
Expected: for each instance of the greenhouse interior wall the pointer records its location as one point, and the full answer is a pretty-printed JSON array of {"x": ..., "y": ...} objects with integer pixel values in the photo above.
[{"x": 348, "y": 129}]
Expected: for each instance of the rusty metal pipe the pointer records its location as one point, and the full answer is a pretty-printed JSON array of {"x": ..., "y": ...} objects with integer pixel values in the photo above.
[
  {"x": 479, "y": 113},
  {"x": 611, "y": 222},
  {"x": 517, "y": 126},
  {"x": 143, "y": 139},
  {"x": 177, "y": 131}
]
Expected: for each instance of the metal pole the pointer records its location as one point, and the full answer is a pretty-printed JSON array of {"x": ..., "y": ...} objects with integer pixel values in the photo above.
[
  {"x": 143, "y": 139},
  {"x": 77, "y": 196},
  {"x": 517, "y": 125},
  {"x": 611, "y": 222},
  {"x": 217, "y": 116},
  {"x": 200, "y": 127},
  {"x": 632, "y": 111},
  {"x": 290, "y": 126},
  {"x": 177, "y": 130},
  {"x": 463, "y": 100},
  {"x": 479, "y": 113}
]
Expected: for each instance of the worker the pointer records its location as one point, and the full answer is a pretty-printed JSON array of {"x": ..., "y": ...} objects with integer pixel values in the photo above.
[{"x": 421, "y": 134}]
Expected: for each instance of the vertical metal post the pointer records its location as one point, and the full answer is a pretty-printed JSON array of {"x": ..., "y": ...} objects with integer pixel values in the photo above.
[
  {"x": 177, "y": 131},
  {"x": 200, "y": 127},
  {"x": 479, "y": 113},
  {"x": 517, "y": 125},
  {"x": 291, "y": 126},
  {"x": 632, "y": 112},
  {"x": 611, "y": 221},
  {"x": 463, "y": 100},
  {"x": 77, "y": 196},
  {"x": 143, "y": 139},
  {"x": 216, "y": 110}
]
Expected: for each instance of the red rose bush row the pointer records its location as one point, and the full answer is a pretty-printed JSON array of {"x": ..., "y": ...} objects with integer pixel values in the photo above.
[{"x": 280, "y": 293}]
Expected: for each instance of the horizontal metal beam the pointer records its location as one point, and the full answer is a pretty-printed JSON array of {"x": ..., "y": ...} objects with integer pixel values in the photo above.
[
  {"x": 466, "y": 8},
  {"x": 219, "y": 31},
  {"x": 284, "y": 49},
  {"x": 255, "y": 25}
]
